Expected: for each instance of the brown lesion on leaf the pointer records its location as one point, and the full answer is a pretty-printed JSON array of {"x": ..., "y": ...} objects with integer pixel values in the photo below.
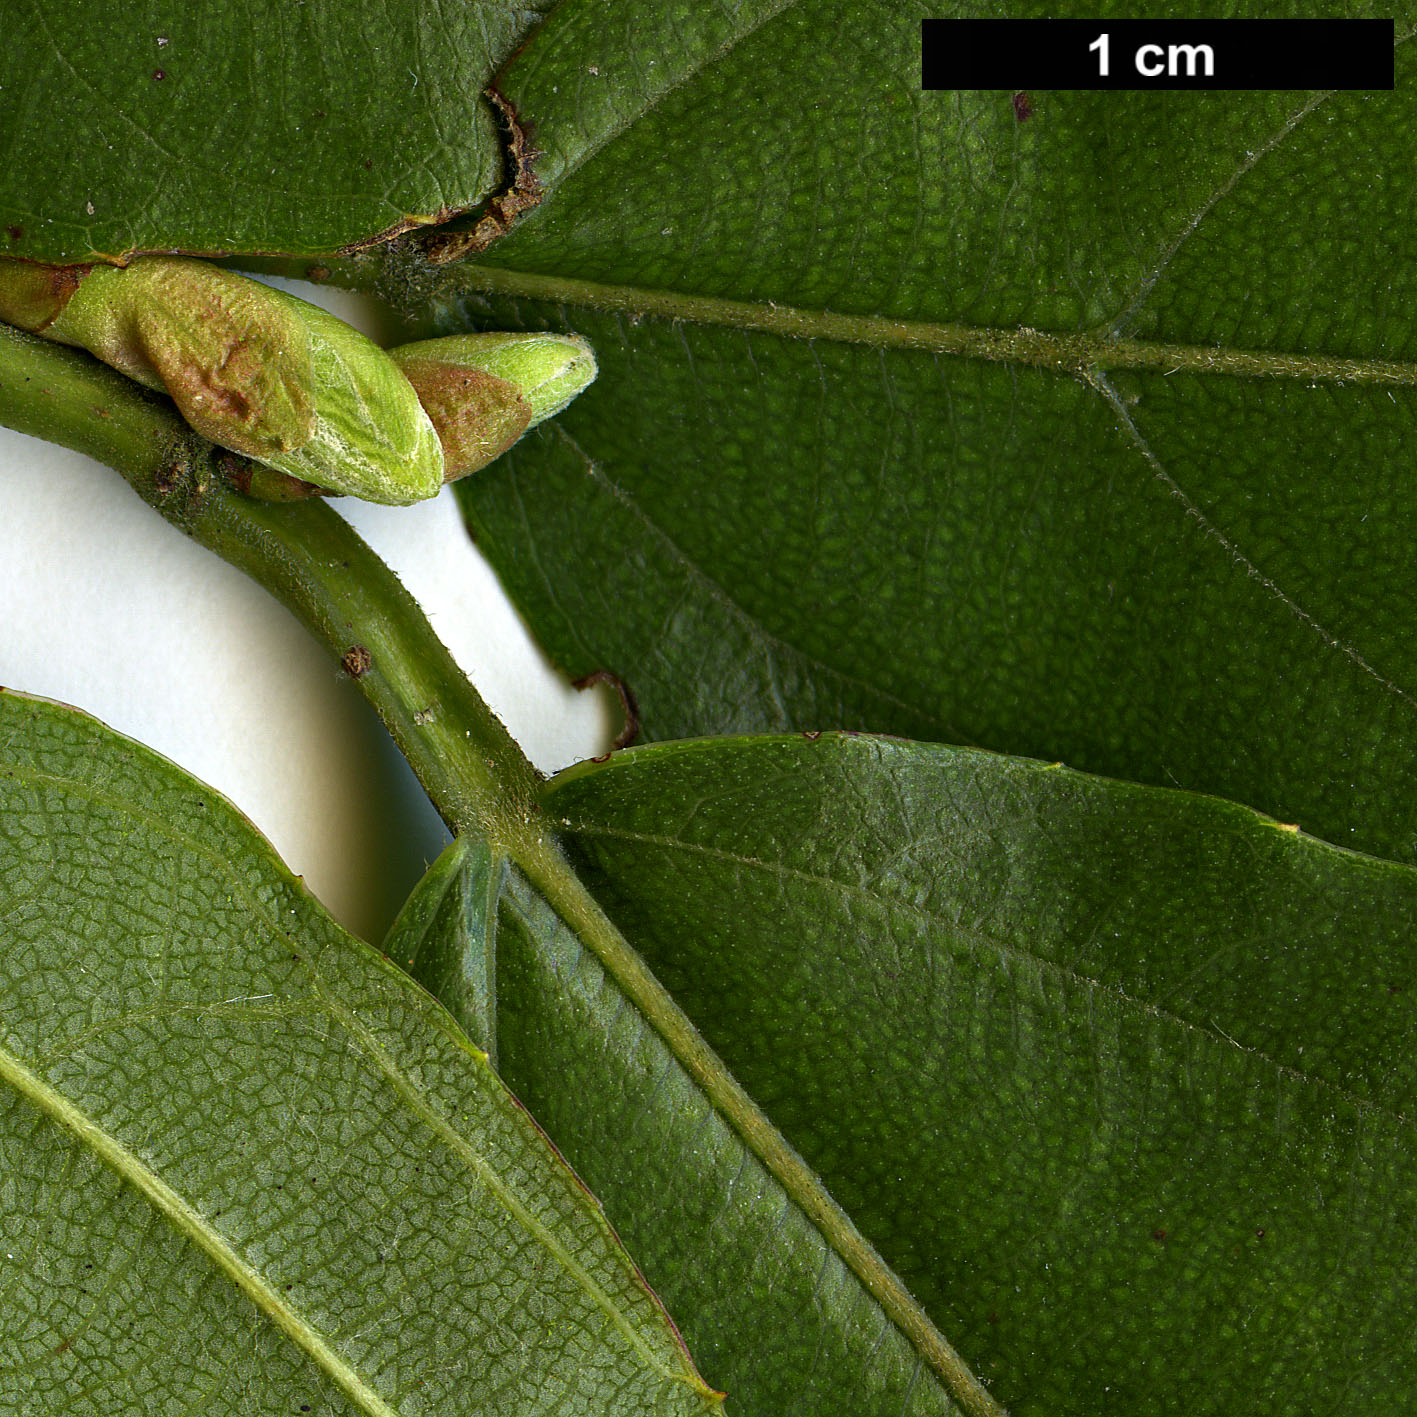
[
  {"x": 429, "y": 242},
  {"x": 1023, "y": 107},
  {"x": 399, "y": 228},
  {"x": 521, "y": 192},
  {"x": 631, "y": 727}
]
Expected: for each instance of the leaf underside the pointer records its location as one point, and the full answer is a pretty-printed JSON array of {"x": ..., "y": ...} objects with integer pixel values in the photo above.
[
  {"x": 1116, "y": 1078},
  {"x": 1079, "y": 435},
  {"x": 774, "y": 1315},
  {"x": 245, "y": 1163},
  {"x": 260, "y": 127}
]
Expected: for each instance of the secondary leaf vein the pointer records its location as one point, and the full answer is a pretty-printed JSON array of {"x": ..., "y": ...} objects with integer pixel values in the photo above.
[
  {"x": 717, "y": 593},
  {"x": 1247, "y": 164},
  {"x": 370, "y": 1049},
  {"x": 195, "y": 1227},
  {"x": 1104, "y": 387}
]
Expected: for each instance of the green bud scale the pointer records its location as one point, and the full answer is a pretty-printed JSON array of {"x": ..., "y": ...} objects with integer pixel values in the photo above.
[
  {"x": 483, "y": 391},
  {"x": 253, "y": 369}
]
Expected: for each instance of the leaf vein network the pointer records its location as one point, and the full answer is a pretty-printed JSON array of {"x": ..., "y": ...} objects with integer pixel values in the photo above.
[{"x": 1103, "y": 385}]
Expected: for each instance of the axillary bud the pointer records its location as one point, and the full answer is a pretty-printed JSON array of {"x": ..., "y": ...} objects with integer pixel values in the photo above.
[{"x": 483, "y": 391}]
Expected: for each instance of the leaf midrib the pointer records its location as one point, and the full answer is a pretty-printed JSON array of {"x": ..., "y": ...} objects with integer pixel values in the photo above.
[
  {"x": 550, "y": 874},
  {"x": 1074, "y": 354},
  {"x": 1085, "y": 357},
  {"x": 1007, "y": 948}
]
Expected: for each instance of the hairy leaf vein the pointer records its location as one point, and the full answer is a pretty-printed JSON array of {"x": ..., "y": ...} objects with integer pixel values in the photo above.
[
  {"x": 1134, "y": 435},
  {"x": 1074, "y": 354}
]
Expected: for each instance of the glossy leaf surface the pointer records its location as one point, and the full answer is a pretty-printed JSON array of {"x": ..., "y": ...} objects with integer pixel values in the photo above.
[
  {"x": 246, "y": 1164},
  {"x": 1080, "y": 435},
  {"x": 1116, "y": 1078},
  {"x": 242, "y": 128}
]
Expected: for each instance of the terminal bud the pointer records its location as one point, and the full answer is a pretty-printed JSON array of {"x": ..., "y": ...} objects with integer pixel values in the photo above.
[{"x": 483, "y": 391}]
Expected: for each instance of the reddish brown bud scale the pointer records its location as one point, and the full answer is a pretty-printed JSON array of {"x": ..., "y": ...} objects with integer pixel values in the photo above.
[
  {"x": 288, "y": 385},
  {"x": 483, "y": 391},
  {"x": 33, "y": 296},
  {"x": 476, "y": 415},
  {"x": 266, "y": 484},
  {"x": 206, "y": 336},
  {"x": 251, "y": 368}
]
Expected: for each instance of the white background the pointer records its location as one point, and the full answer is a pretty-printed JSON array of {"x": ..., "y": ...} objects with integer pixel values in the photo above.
[{"x": 108, "y": 608}]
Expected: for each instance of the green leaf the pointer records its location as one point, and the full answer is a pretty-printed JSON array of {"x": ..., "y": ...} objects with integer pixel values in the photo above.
[
  {"x": 1082, "y": 437},
  {"x": 445, "y": 935},
  {"x": 259, "y": 127},
  {"x": 246, "y": 1165},
  {"x": 774, "y": 1312},
  {"x": 1118, "y": 1079}
]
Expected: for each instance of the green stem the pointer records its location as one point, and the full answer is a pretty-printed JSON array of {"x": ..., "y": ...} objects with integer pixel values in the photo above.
[
  {"x": 471, "y": 768},
  {"x": 310, "y": 559}
]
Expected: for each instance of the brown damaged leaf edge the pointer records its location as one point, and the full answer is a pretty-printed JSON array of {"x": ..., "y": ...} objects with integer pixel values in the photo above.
[
  {"x": 500, "y": 211},
  {"x": 399, "y": 228},
  {"x": 122, "y": 259},
  {"x": 520, "y": 194},
  {"x": 631, "y": 710}
]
